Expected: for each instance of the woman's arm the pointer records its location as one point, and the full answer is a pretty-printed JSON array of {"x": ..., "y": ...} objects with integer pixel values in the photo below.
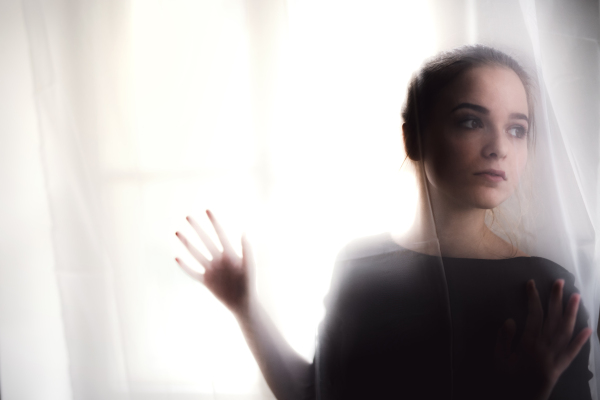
[
  {"x": 288, "y": 375},
  {"x": 229, "y": 278}
]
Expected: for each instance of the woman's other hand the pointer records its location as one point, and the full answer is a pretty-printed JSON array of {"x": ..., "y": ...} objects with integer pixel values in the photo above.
[
  {"x": 545, "y": 349},
  {"x": 229, "y": 278},
  {"x": 226, "y": 275}
]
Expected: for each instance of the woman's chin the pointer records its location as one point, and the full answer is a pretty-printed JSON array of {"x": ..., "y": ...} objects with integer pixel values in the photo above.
[
  {"x": 481, "y": 198},
  {"x": 487, "y": 200},
  {"x": 488, "y": 203}
]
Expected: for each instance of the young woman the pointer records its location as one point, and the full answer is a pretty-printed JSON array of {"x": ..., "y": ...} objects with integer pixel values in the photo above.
[{"x": 449, "y": 309}]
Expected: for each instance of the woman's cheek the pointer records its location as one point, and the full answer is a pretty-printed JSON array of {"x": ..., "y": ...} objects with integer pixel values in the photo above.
[
  {"x": 449, "y": 161},
  {"x": 460, "y": 154},
  {"x": 521, "y": 162}
]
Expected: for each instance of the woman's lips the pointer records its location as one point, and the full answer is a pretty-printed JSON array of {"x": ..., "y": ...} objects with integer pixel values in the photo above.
[{"x": 492, "y": 174}]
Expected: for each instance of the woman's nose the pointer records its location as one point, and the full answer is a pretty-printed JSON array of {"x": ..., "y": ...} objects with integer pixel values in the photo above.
[{"x": 497, "y": 144}]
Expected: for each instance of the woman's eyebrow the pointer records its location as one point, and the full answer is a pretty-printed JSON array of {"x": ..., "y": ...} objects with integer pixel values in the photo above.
[
  {"x": 485, "y": 111},
  {"x": 471, "y": 106},
  {"x": 519, "y": 116}
]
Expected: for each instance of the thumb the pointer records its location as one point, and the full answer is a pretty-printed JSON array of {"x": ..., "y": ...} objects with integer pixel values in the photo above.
[{"x": 247, "y": 255}]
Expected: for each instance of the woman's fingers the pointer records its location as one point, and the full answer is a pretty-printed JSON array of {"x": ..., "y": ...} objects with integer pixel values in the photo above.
[
  {"x": 193, "y": 251},
  {"x": 567, "y": 323},
  {"x": 194, "y": 274},
  {"x": 210, "y": 246},
  {"x": 535, "y": 318},
  {"x": 550, "y": 353},
  {"x": 565, "y": 358},
  {"x": 227, "y": 248},
  {"x": 555, "y": 309}
]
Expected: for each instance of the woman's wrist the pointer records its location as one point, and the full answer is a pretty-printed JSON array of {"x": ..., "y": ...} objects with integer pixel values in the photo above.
[{"x": 246, "y": 310}]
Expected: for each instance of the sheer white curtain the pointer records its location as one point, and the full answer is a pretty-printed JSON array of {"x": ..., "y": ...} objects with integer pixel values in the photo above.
[{"x": 282, "y": 117}]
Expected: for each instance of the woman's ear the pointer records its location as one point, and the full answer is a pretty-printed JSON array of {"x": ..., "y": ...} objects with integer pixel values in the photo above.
[{"x": 411, "y": 142}]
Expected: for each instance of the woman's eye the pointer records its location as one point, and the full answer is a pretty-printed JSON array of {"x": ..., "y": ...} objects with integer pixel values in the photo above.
[
  {"x": 471, "y": 123},
  {"x": 517, "y": 131}
]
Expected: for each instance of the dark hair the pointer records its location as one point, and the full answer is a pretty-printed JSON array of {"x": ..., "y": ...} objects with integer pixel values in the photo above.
[{"x": 438, "y": 72}]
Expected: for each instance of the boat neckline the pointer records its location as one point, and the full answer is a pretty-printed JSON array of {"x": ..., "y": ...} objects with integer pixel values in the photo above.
[{"x": 391, "y": 239}]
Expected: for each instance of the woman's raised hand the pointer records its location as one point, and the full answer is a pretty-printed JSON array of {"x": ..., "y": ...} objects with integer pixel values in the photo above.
[
  {"x": 545, "y": 349},
  {"x": 229, "y": 278},
  {"x": 226, "y": 275}
]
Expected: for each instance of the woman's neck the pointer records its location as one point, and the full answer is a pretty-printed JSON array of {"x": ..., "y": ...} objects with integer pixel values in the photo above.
[
  {"x": 461, "y": 231},
  {"x": 444, "y": 227}
]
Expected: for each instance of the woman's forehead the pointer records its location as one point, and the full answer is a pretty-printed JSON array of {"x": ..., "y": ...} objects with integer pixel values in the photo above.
[{"x": 498, "y": 89}]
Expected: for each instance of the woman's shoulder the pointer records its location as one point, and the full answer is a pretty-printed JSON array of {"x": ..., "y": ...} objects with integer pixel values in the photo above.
[
  {"x": 368, "y": 254},
  {"x": 379, "y": 256},
  {"x": 544, "y": 267},
  {"x": 368, "y": 246},
  {"x": 373, "y": 268}
]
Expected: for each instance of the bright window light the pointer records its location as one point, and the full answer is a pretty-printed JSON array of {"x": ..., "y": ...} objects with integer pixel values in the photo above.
[{"x": 326, "y": 171}]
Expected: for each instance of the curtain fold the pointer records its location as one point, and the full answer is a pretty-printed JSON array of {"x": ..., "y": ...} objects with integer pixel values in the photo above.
[{"x": 67, "y": 109}]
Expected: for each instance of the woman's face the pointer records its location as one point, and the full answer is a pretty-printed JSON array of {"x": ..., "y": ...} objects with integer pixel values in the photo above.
[{"x": 476, "y": 143}]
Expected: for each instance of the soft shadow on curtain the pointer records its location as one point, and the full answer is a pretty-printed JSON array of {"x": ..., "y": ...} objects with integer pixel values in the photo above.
[{"x": 282, "y": 117}]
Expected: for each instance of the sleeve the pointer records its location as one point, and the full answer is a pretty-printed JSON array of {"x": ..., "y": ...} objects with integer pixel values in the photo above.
[{"x": 328, "y": 364}]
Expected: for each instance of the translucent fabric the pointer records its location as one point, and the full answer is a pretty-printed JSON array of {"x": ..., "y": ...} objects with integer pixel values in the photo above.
[
  {"x": 121, "y": 174},
  {"x": 550, "y": 217}
]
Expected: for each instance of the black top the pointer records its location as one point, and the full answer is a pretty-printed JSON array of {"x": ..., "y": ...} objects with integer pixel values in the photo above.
[{"x": 394, "y": 329}]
